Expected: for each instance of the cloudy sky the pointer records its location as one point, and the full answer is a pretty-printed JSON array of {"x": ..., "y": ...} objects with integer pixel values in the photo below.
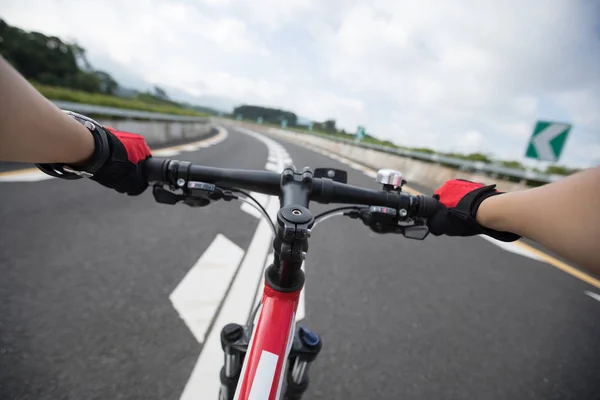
[{"x": 451, "y": 75}]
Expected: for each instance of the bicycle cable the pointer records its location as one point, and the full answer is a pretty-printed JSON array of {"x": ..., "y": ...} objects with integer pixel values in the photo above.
[
  {"x": 319, "y": 218},
  {"x": 257, "y": 206},
  {"x": 334, "y": 212}
]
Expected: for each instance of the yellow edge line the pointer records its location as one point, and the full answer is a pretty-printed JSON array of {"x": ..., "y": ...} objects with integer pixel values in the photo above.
[
  {"x": 560, "y": 265},
  {"x": 178, "y": 147},
  {"x": 545, "y": 257},
  {"x": 18, "y": 172}
]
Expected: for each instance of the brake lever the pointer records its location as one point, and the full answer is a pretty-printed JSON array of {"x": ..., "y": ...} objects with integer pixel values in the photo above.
[
  {"x": 386, "y": 220},
  {"x": 163, "y": 196},
  {"x": 381, "y": 219},
  {"x": 196, "y": 194}
]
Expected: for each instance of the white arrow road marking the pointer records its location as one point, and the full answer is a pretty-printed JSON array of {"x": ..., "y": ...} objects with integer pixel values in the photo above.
[
  {"x": 197, "y": 297},
  {"x": 592, "y": 295},
  {"x": 542, "y": 141}
]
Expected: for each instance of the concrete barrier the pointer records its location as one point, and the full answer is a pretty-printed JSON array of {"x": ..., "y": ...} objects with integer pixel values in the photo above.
[
  {"x": 157, "y": 132},
  {"x": 428, "y": 174}
]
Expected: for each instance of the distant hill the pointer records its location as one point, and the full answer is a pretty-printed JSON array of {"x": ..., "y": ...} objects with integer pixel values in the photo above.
[{"x": 269, "y": 115}]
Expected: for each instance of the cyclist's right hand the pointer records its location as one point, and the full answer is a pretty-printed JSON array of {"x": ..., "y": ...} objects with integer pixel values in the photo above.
[{"x": 459, "y": 201}]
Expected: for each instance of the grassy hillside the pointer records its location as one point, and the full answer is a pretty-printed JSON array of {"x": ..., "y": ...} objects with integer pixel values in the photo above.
[{"x": 77, "y": 96}]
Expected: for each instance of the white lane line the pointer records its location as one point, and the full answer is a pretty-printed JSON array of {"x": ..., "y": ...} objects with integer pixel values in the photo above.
[
  {"x": 198, "y": 295},
  {"x": 370, "y": 174},
  {"x": 511, "y": 247},
  {"x": 191, "y": 147},
  {"x": 592, "y": 295},
  {"x": 263, "y": 378},
  {"x": 278, "y": 158},
  {"x": 262, "y": 200},
  {"x": 166, "y": 152},
  {"x": 204, "y": 380},
  {"x": 272, "y": 167},
  {"x": 247, "y": 208}
]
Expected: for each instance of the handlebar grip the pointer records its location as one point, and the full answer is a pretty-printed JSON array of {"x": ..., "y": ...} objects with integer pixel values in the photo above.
[
  {"x": 427, "y": 206},
  {"x": 154, "y": 169}
]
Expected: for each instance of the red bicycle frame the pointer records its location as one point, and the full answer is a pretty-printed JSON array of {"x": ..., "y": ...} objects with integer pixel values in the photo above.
[{"x": 266, "y": 359}]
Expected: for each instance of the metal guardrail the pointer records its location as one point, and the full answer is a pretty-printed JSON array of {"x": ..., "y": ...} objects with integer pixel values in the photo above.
[
  {"x": 458, "y": 163},
  {"x": 91, "y": 109}
]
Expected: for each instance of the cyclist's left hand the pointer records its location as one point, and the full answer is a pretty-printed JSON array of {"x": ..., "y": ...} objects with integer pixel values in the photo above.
[{"x": 459, "y": 202}]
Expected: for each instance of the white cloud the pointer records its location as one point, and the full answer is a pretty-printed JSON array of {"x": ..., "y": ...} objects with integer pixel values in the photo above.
[
  {"x": 469, "y": 142},
  {"x": 464, "y": 75}
]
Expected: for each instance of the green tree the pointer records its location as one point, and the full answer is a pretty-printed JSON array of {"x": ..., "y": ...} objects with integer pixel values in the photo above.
[
  {"x": 106, "y": 82},
  {"x": 329, "y": 126},
  {"x": 512, "y": 164},
  {"x": 269, "y": 115},
  {"x": 423, "y": 150},
  {"x": 160, "y": 93},
  {"x": 49, "y": 60},
  {"x": 477, "y": 157}
]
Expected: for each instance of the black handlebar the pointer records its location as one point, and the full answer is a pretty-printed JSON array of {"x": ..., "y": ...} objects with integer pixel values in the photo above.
[{"x": 324, "y": 190}]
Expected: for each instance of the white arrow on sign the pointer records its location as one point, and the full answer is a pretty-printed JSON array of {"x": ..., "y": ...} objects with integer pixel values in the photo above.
[{"x": 542, "y": 141}]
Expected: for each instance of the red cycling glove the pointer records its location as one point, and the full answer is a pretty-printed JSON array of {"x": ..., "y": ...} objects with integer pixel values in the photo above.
[
  {"x": 122, "y": 171},
  {"x": 114, "y": 163},
  {"x": 460, "y": 200}
]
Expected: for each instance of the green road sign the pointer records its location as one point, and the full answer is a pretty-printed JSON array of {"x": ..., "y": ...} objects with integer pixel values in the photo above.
[
  {"x": 259, "y": 120},
  {"x": 239, "y": 117},
  {"x": 284, "y": 123},
  {"x": 360, "y": 133},
  {"x": 310, "y": 126},
  {"x": 547, "y": 141}
]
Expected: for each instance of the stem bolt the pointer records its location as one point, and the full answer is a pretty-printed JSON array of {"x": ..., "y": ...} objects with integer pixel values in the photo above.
[
  {"x": 403, "y": 213},
  {"x": 180, "y": 182}
]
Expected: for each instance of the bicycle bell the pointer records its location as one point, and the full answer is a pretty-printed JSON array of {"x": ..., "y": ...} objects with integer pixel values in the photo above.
[{"x": 390, "y": 179}]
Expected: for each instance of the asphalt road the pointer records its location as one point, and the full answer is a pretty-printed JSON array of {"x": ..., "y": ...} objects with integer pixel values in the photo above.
[{"x": 85, "y": 313}]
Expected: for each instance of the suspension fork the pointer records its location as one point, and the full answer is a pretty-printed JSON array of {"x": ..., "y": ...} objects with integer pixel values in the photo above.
[{"x": 235, "y": 340}]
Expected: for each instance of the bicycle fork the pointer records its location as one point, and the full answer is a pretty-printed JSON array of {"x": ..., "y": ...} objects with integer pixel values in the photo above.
[{"x": 235, "y": 339}]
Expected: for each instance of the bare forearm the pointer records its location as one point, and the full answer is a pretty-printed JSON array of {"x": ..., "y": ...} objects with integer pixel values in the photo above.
[
  {"x": 32, "y": 129},
  {"x": 563, "y": 216}
]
